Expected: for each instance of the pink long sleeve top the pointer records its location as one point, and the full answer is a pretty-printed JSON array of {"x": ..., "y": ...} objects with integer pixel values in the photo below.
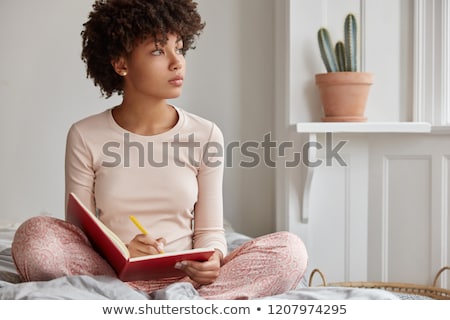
[{"x": 171, "y": 182}]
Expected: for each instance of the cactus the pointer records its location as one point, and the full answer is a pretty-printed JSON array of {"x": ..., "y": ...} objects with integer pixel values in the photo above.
[
  {"x": 344, "y": 56},
  {"x": 350, "y": 43},
  {"x": 340, "y": 55},
  {"x": 326, "y": 50}
]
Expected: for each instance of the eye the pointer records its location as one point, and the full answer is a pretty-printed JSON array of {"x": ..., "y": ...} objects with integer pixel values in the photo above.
[
  {"x": 158, "y": 52},
  {"x": 181, "y": 51}
]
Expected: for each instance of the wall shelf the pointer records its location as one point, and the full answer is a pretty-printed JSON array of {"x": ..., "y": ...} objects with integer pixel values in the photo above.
[{"x": 363, "y": 127}]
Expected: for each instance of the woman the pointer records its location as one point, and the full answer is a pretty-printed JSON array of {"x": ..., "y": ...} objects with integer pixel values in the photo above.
[{"x": 155, "y": 161}]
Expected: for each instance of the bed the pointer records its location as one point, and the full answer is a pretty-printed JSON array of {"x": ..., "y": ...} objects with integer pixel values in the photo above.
[{"x": 101, "y": 287}]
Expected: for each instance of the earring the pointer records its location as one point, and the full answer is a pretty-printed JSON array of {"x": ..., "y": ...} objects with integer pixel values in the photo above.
[{"x": 123, "y": 73}]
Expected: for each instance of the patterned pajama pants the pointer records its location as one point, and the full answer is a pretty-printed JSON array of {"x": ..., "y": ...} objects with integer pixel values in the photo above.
[{"x": 46, "y": 248}]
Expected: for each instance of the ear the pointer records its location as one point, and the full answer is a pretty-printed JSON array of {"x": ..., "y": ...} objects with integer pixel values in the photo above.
[{"x": 120, "y": 66}]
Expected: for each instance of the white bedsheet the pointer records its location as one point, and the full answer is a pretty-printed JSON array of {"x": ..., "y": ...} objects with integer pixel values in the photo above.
[
  {"x": 6, "y": 237},
  {"x": 98, "y": 288},
  {"x": 185, "y": 291}
]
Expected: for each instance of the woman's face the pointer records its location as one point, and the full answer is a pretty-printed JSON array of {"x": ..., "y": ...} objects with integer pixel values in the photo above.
[{"x": 155, "y": 70}]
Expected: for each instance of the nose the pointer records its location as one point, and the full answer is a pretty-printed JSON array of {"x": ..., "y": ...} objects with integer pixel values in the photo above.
[{"x": 176, "y": 62}]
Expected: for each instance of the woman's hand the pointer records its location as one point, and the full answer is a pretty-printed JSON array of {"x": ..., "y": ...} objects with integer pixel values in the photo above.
[
  {"x": 144, "y": 245},
  {"x": 202, "y": 272}
]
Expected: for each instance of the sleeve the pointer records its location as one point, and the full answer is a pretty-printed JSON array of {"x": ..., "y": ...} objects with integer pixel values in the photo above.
[
  {"x": 208, "y": 211},
  {"x": 79, "y": 171}
]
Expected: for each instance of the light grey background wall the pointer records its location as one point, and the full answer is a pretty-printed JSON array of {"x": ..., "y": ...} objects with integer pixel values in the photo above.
[{"x": 43, "y": 90}]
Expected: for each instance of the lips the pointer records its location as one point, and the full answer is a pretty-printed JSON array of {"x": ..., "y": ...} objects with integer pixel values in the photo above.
[{"x": 177, "y": 81}]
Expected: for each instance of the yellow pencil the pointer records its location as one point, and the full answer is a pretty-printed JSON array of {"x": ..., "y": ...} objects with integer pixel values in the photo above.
[
  {"x": 138, "y": 224},
  {"x": 140, "y": 227}
]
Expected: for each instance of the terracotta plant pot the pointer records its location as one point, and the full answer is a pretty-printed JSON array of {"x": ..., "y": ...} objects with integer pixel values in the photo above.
[{"x": 344, "y": 95}]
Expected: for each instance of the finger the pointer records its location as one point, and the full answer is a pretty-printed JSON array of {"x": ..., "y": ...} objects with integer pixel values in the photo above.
[
  {"x": 206, "y": 276},
  {"x": 196, "y": 269},
  {"x": 161, "y": 242},
  {"x": 143, "y": 245},
  {"x": 144, "y": 249},
  {"x": 148, "y": 240},
  {"x": 193, "y": 266}
]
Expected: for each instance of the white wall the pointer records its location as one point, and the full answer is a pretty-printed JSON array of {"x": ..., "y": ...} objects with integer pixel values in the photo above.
[
  {"x": 43, "y": 89},
  {"x": 231, "y": 81}
]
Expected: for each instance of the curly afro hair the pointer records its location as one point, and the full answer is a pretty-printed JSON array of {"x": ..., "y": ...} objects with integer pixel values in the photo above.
[{"x": 115, "y": 27}]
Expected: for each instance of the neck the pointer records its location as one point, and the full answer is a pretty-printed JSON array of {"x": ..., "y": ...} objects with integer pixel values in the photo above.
[{"x": 145, "y": 118}]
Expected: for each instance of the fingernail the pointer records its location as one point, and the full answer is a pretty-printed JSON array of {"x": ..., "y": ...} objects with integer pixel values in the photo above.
[
  {"x": 161, "y": 247},
  {"x": 180, "y": 265}
]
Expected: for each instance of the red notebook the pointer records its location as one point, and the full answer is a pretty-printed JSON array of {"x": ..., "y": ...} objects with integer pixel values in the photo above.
[{"x": 116, "y": 253}]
